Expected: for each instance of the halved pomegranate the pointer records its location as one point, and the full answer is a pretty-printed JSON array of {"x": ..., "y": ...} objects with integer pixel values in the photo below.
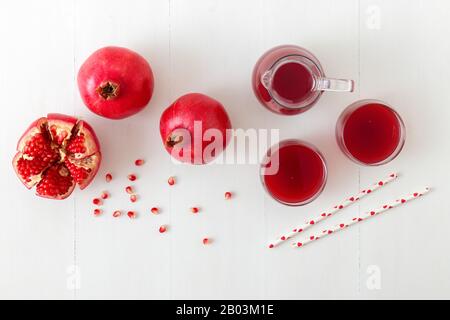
[{"x": 55, "y": 154}]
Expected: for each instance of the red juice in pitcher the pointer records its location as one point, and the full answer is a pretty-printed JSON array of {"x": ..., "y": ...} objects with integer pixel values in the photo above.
[
  {"x": 370, "y": 132},
  {"x": 297, "y": 173},
  {"x": 292, "y": 82}
]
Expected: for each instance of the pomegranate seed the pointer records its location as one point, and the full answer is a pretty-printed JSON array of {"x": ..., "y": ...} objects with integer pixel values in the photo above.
[
  {"x": 154, "y": 210},
  {"x": 139, "y": 162},
  {"x": 129, "y": 190},
  {"x": 108, "y": 177},
  {"x": 132, "y": 177},
  {"x": 171, "y": 181},
  {"x": 194, "y": 210},
  {"x": 117, "y": 213},
  {"x": 97, "y": 212},
  {"x": 227, "y": 195},
  {"x": 105, "y": 195},
  {"x": 206, "y": 241},
  {"x": 97, "y": 202},
  {"x": 131, "y": 214},
  {"x": 162, "y": 229},
  {"x": 133, "y": 198}
]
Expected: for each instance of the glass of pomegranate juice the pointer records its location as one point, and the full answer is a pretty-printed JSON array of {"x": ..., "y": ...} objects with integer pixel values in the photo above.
[
  {"x": 289, "y": 80},
  {"x": 293, "y": 172},
  {"x": 370, "y": 132}
]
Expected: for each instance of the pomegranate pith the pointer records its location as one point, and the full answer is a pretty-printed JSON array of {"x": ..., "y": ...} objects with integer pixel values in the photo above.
[
  {"x": 55, "y": 154},
  {"x": 115, "y": 82}
]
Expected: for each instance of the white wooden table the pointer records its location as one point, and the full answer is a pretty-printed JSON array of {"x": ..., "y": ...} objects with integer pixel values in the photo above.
[{"x": 397, "y": 51}]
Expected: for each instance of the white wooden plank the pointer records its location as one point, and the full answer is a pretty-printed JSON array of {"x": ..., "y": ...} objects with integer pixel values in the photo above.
[
  {"x": 403, "y": 62},
  {"x": 36, "y": 63},
  {"x": 122, "y": 258}
]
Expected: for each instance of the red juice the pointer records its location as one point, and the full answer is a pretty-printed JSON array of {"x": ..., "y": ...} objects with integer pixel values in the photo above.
[
  {"x": 292, "y": 82},
  {"x": 301, "y": 173},
  {"x": 371, "y": 133}
]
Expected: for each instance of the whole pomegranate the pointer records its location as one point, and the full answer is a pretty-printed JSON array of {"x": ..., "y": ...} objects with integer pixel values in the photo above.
[
  {"x": 194, "y": 128},
  {"x": 56, "y": 153},
  {"x": 115, "y": 82}
]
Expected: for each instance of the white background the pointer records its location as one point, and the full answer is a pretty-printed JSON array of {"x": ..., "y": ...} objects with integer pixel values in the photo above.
[{"x": 397, "y": 51}]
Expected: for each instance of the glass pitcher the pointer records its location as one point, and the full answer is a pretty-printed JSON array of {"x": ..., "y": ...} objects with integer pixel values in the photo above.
[{"x": 289, "y": 80}]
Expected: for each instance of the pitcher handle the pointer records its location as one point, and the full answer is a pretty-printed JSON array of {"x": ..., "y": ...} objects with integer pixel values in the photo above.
[{"x": 336, "y": 85}]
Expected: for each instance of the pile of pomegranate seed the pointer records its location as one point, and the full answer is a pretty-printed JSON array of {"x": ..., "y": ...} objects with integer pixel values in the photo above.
[{"x": 134, "y": 197}]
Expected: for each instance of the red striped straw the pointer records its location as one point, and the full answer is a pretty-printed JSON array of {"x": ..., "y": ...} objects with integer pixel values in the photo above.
[
  {"x": 365, "y": 216},
  {"x": 328, "y": 213}
]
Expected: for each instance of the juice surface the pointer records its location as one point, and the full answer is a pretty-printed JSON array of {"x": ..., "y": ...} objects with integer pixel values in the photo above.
[
  {"x": 371, "y": 133},
  {"x": 292, "y": 82},
  {"x": 300, "y": 176}
]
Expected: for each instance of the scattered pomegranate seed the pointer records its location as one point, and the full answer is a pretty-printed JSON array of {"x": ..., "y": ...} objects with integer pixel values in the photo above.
[
  {"x": 97, "y": 212},
  {"x": 171, "y": 181},
  {"x": 162, "y": 229},
  {"x": 206, "y": 241},
  {"x": 117, "y": 213},
  {"x": 132, "y": 177},
  {"x": 227, "y": 195},
  {"x": 105, "y": 195},
  {"x": 133, "y": 198},
  {"x": 97, "y": 202},
  {"x": 194, "y": 210},
  {"x": 154, "y": 210},
  {"x": 108, "y": 177},
  {"x": 139, "y": 162},
  {"x": 131, "y": 214},
  {"x": 129, "y": 190}
]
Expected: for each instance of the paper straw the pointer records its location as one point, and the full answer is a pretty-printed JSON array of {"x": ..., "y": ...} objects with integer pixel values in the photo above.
[
  {"x": 365, "y": 216},
  {"x": 328, "y": 213}
]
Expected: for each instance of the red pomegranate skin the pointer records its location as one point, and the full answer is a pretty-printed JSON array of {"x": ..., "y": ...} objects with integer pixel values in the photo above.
[
  {"x": 181, "y": 115},
  {"x": 115, "y": 82}
]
